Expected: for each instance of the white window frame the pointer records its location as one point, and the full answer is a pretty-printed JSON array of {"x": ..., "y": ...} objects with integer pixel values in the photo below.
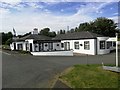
[
  {"x": 76, "y": 45},
  {"x": 87, "y": 45},
  {"x": 102, "y": 44}
]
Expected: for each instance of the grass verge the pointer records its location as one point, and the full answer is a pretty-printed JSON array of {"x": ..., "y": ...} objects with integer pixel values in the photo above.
[{"x": 89, "y": 76}]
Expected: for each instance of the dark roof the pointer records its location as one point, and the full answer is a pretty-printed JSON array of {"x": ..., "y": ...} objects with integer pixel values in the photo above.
[
  {"x": 35, "y": 37},
  {"x": 77, "y": 35},
  {"x": 68, "y": 36}
]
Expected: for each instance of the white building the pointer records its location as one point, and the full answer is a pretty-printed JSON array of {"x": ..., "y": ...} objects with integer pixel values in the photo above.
[{"x": 78, "y": 42}]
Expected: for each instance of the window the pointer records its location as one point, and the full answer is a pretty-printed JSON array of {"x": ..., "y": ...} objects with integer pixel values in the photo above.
[
  {"x": 27, "y": 46},
  {"x": 114, "y": 44},
  {"x": 62, "y": 45},
  {"x": 66, "y": 45},
  {"x": 102, "y": 44},
  {"x": 20, "y": 46},
  {"x": 76, "y": 45},
  {"x": 109, "y": 44},
  {"x": 86, "y": 45}
]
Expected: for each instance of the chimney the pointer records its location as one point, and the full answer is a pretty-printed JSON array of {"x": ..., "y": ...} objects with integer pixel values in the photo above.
[{"x": 35, "y": 31}]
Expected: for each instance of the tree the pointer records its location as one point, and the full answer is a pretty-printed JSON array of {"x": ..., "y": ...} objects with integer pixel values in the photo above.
[
  {"x": 52, "y": 34},
  {"x": 104, "y": 26},
  {"x": 6, "y": 36},
  {"x": 8, "y": 41},
  {"x": 76, "y": 29},
  {"x": 84, "y": 27},
  {"x": 45, "y": 31}
]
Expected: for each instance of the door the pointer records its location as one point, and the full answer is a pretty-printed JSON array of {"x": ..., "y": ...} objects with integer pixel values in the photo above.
[
  {"x": 30, "y": 47},
  {"x": 14, "y": 46}
]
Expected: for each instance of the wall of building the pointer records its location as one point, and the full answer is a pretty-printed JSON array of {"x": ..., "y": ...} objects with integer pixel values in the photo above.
[
  {"x": 30, "y": 41},
  {"x": 81, "y": 49},
  {"x": 102, "y": 51},
  {"x": 23, "y": 45}
]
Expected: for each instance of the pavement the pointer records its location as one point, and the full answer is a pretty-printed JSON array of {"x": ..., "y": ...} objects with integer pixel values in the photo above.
[{"x": 27, "y": 71}]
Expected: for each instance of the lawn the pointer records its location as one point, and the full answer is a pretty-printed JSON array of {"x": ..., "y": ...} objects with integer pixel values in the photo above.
[{"x": 89, "y": 76}]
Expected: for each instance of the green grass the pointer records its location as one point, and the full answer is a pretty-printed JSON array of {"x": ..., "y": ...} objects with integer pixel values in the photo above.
[{"x": 90, "y": 76}]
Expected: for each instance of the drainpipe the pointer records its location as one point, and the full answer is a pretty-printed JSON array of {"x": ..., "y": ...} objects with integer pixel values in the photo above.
[{"x": 116, "y": 49}]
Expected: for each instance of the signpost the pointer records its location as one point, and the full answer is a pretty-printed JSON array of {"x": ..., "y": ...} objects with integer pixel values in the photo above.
[{"x": 116, "y": 49}]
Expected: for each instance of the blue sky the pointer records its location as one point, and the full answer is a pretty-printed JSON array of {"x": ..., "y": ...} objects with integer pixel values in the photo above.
[{"x": 24, "y": 16}]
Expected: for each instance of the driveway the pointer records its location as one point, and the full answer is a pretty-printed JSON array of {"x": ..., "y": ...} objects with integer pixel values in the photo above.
[{"x": 26, "y": 71}]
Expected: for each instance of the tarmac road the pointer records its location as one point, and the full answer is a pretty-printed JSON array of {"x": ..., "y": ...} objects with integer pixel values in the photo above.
[{"x": 26, "y": 71}]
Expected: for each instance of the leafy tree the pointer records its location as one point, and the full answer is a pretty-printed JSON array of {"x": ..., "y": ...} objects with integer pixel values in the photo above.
[
  {"x": 84, "y": 27},
  {"x": 52, "y": 34},
  {"x": 102, "y": 25},
  {"x": 45, "y": 31},
  {"x": 8, "y": 41},
  {"x": 6, "y": 36},
  {"x": 105, "y": 26},
  {"x": 76, "y": 29}
]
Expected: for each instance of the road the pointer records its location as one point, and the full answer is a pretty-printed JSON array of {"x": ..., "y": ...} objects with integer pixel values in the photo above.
[{"x": 26, "y": 71}]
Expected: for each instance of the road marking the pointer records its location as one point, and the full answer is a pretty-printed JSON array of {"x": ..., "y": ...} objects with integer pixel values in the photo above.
[{"x": 5, "y": 53}]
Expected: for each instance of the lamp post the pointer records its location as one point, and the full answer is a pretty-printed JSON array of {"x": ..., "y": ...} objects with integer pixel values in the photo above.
[{"x": 116, "y": 49}]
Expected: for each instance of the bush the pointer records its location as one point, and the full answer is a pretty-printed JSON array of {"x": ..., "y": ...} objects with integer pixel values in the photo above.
[{"x": 6, "y": 47}]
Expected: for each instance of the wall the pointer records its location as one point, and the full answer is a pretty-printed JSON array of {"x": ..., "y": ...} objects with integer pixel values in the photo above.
[
  {"x": 12, "y": 46},
  {"x": 102, "y": 51},
  {"x": 81, "y": 49},
  {"x": 30, "y": 41},
  {"x": 53, "y": 53}
]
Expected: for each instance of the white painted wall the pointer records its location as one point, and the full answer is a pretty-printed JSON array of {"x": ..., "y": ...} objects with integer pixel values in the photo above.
[
  {"x": 81, "y": 49},
  {"x": 53, "y": 53},
  {"x": 19, "y": 43},
  {"x": 102, "y": 51},
  {"x": 30, "y": 41},
  {"x": 12, "y": 46}
]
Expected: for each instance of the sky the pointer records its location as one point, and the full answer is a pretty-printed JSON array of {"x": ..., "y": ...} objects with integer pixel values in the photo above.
[{"x": 26, "y": 15}]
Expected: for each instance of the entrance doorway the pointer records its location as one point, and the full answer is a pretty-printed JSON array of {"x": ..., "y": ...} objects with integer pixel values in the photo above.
[
  {"x": 66, "y": 45},
  {"x": 30, "y": 47}
]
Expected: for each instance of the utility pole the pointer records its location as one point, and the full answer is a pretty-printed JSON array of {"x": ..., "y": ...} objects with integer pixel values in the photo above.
[{"x": 116, "y": 49}]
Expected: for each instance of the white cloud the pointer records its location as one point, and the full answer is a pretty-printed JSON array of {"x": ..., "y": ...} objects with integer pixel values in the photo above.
[
  {"x": 26, "y": 20},
  {"x": 12, "y": 2},
  {"x": 71, "y": 0}
]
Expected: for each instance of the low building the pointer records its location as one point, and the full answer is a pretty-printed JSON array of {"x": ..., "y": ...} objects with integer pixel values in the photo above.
[{"x": 83, "y": 42}]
